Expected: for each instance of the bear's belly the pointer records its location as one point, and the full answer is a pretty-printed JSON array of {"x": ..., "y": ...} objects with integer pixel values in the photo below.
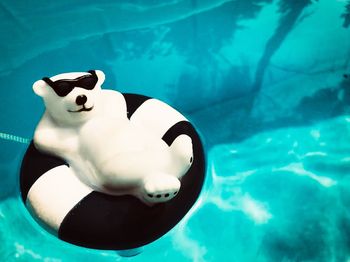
[{"x": 121, "y": 154}]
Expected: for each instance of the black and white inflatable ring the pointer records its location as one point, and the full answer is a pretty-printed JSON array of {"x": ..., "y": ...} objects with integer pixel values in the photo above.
[{"x": 100, "y": 221}]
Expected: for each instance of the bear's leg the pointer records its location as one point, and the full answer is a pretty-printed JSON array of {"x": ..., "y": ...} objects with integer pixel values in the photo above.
[
  {"x": 160, "y": 188},
  {"x": 182, "y": 151}
]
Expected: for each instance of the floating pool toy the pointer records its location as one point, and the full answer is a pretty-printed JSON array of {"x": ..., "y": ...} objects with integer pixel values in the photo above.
[{"x": 108, "y": 170}]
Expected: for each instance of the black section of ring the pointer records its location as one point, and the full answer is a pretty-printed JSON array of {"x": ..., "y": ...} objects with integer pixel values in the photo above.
[
  {"x": 133, "y": 102},
  {"x": 34, "y": 165},
  {"x": 123, "y": 222},
  {"x": 180, "y": 128},
  {"x": 102, "y": 221}
]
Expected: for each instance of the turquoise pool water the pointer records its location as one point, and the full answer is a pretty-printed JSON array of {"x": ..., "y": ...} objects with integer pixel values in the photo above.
[{"x": 264, "y": 82}]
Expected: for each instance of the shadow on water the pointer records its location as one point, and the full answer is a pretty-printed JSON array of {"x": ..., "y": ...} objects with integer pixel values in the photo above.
[
  {"x": 236, "y": 123},
  {"x": 346, "y": 16},
  {"x": 326, "y": 103},
  {"x": 200, "y": 43},
  {"x": 291, "y": 11},
  {"x": 203, "y": 81},
  {"x": 234, "y": 109}
]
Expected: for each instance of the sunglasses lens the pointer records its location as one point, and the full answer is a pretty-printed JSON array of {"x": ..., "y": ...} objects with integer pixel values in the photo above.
[
  {"x": 63, "y": 88},
  {"x": 88, "y": 82}
]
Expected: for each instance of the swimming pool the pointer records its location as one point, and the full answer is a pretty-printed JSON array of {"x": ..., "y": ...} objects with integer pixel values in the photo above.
[{"x": 264, "y": 82}]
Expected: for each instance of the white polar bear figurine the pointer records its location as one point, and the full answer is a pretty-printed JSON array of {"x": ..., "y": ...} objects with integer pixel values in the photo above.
[{"x": 88, "y": 127}]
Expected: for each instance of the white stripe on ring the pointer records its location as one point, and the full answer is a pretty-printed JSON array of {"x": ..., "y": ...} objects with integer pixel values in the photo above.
[
  {"x": 54, "y": 194},
  {"x": 156, "y": 116}
]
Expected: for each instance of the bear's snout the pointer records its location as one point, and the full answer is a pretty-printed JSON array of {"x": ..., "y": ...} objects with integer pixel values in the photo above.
[{"x": 81, "y": 100}]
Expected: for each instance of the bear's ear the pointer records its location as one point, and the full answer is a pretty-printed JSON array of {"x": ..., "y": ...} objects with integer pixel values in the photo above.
[
  {"x": 101, "y": 77},
  {"x": 39, "y": 87}
]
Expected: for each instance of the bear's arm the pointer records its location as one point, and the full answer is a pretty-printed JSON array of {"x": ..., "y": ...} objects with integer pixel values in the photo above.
[{"x": 50, "y": 138}]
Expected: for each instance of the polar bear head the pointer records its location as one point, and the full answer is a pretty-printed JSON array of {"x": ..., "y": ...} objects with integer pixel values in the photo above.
[{"x": 71, "y": 98}]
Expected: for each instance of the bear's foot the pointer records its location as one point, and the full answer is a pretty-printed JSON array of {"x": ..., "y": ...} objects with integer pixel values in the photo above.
[{"x": 159, "y": 189}]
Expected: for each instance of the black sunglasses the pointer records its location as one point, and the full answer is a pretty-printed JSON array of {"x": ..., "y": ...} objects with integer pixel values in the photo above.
[{"x": 63, "y": 87}]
